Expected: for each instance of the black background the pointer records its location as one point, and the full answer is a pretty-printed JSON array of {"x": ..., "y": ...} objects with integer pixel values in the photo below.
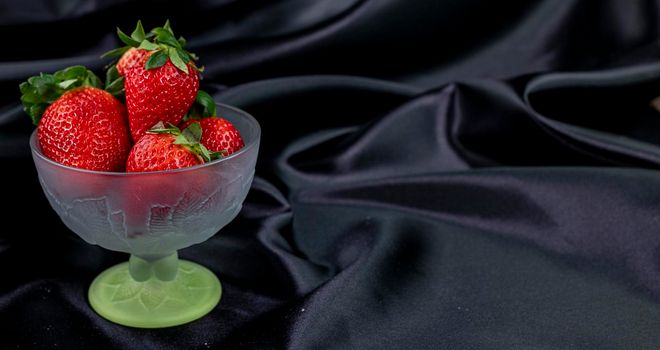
[{"x": 433, "y": 174}]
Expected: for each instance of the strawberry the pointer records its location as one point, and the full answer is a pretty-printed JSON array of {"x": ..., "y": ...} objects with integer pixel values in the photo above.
[
  {"x": 158, "y": 95},
  {"x": 218, "y": 134},
  {"x": 78, "y": 123},
  {"x": 162, "y": 81},
  {"x": 129, "y": 59},
  {"x": 168, "y": 148}
]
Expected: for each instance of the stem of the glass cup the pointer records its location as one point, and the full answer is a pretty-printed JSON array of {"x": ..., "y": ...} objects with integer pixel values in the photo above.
[{"x": 163, "y": 267}]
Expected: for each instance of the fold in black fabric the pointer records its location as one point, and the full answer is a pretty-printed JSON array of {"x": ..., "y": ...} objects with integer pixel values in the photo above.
[{"x": 432, "y": 175}]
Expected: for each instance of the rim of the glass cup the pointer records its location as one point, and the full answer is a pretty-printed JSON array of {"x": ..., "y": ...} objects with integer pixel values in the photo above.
[{"x": 253, "y": 143}]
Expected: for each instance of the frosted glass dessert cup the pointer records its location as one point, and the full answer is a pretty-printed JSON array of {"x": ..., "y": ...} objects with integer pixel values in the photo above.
[{"x": 151, "y": 216}]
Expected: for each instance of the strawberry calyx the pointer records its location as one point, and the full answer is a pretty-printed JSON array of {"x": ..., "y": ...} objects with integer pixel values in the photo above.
[
  {"x": 134, "y": 40},
  {"x": 40, "y": 91},
  {"x": 204, "y": 107},
  {"x": 189, "y": 138},
  {"x": 162, "y": 41}
]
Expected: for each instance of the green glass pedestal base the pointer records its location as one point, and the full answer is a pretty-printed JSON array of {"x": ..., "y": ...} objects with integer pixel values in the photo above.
[{"x": 154, "y": 303}]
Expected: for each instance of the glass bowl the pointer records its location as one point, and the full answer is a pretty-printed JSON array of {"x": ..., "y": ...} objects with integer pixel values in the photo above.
[{"x": 151, "y": 215}]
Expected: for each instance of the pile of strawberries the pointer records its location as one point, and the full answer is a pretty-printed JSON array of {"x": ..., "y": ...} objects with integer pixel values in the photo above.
[{"x": 165, "y": 123}]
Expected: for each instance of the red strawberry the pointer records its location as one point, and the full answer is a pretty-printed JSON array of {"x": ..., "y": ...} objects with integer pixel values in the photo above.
[
  {"x": 79, "y": 124},
  {"x": 160, "y": 78},
  {"x": 167, "y": 149},
  {"x": 218, "y": 134},
  {"x": 155, "y": 152},
  {"x": 129, "y": 59},
  {"x": 163, "y": 94}
]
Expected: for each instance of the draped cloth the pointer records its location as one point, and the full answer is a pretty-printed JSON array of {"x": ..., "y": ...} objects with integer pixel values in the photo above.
[{"x": 432, "y": 174}]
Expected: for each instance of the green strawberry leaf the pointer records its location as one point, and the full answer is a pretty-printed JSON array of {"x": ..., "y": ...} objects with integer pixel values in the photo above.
[
  {"x": 190, "y": 135},
  {"x": 111, "y": 75},
  {"x": 114, "y": 83},
  {"x": 27, "y": 94},
  {"x": 118, "y": 52},
  {"x": 156, "y": 60},
  {"x": 204, "y": 107},
  {"x": 67, "y": 83},
  {"x": 72, "y": 72},
  {"x": 199, "y": 150},
  {"x": 160, "y": 128},
  {"x": 184, "y": 55},
  {"x": 194, "y": 113},
  {"x": 166, "y": 37},
  {"x": 127, "y": 39},
  {"x": 136, "y": 38},
  {"x": 148, "y": 45},
  {"x": 167, "y": 26},
  {"x": 216, "y": 155},
  {"x": 176, "y": 60},
  {"x": 182, "y": 140},
  {"x": 204, "y": 153},
  {"x": 138, "y": 34},
  {"x": 208, "y": 155},
  {"x": 35, "y": 112},
  {"x": 116, "y": 88},
  {"x": 204, "y": 99},
  {"x": 94, "y": 81}
]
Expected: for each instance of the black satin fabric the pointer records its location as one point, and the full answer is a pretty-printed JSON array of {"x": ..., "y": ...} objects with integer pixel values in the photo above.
[{"x": 433, "y": 175}]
